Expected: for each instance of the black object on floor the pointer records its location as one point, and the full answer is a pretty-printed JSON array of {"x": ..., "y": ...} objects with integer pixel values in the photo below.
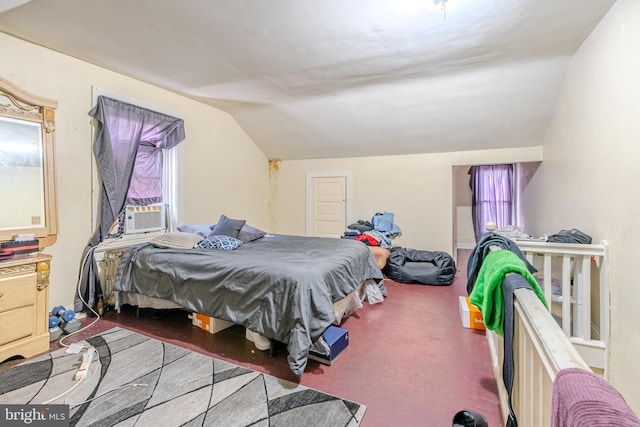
[
  {"x": 159, "y": 314},
  {"x": 423, "y": 267},
  {"x": 276, "y": 348},
  {"x": 467, "y": 418}
]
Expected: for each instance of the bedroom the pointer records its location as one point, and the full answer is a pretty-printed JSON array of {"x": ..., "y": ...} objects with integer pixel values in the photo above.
[{"x": 587, "y": 150}]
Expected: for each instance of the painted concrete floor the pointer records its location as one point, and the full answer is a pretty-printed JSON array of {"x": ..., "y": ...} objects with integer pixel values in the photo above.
[{"x": 409, "y": 360}]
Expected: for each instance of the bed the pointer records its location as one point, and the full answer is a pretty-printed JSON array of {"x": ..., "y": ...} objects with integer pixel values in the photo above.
[{"x": 282, "y": 287}]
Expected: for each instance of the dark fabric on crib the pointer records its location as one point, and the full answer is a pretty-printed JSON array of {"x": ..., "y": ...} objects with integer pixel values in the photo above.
[
  {"x": 481, "y": 250},
  {"x": 510, "y": 283}
]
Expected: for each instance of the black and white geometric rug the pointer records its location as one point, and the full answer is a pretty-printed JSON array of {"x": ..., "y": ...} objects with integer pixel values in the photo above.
[{"x": 137, "y": 380}]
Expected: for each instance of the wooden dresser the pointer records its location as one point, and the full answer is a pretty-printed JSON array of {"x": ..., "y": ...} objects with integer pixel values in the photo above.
[{"x": 24, "y": 306}]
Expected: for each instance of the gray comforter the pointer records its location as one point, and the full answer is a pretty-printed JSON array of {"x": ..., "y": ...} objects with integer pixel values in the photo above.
[{"x": 282, "y": 287}]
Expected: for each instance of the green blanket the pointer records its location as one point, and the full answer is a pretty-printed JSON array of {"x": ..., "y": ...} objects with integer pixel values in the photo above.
[{"x": 487, "y": 291}]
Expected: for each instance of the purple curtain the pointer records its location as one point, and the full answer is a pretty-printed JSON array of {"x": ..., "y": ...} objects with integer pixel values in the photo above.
[
  {"x": 128, "y": 152},
  {"x": 491, "y": 187}
]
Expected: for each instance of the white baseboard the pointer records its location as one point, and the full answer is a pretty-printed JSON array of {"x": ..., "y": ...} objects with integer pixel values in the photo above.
[{"x": 465, "y": 245}]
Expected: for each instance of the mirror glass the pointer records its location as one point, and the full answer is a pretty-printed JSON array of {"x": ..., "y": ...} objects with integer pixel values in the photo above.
[
  {"x": 21, "y": 174},
  {"x": 28, "y": 196}
]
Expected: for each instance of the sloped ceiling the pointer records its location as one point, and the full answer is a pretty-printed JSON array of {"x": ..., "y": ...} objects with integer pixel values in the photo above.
[{"x": 337, "y": 78}]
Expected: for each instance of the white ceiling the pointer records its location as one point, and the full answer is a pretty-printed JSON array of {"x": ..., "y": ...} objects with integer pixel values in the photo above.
[{"x": 337, "y": 78}]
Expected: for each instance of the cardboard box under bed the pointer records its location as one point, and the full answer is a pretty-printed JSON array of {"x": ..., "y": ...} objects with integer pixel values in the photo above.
[{"x": 208, "y": 323}]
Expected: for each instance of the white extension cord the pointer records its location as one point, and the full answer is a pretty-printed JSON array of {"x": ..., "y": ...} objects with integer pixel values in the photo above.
[
  {"x": 80, "y": 274},
  {"x": 81, "y": 373},
  {"x": 87, "y": 358}
]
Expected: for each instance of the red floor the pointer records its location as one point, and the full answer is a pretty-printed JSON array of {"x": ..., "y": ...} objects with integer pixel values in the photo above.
[{"x": 409, "y": 360}]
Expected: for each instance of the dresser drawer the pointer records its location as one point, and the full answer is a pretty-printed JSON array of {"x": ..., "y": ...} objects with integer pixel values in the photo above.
[
  {"x": 17, "y": 291},
  {"x": 17, "y": 324},
  {"x": 24, "y": 304}
]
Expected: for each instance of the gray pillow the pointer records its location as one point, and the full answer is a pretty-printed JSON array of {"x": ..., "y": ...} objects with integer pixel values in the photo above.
[
  {"x": 248, "y": 233},
  {"x": 201, "y": 229},
  {"x": 227, "y": 227}
]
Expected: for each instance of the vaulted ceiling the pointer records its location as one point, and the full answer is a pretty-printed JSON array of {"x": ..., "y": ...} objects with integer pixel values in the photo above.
[{"x": 336, "y": 78}]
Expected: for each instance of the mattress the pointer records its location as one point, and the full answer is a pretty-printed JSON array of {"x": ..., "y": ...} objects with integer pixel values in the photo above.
[{"x": 282, "y": 287}]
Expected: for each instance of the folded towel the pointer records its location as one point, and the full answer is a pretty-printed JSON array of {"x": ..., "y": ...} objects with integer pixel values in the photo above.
[
  {"x": 487, "y": 291},
  {"x": 581, "y": 398}
]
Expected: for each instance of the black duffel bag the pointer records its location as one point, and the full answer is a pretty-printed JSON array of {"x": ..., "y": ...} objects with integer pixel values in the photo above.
[{"x": 424, "y": 267}]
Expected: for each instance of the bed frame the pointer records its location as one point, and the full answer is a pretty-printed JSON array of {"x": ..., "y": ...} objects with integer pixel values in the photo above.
[
  {"x": 109, "y": 257},
  {"x": 315, "y": 281}
]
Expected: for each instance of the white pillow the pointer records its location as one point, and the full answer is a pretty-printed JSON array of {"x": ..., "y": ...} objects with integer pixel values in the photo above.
[{"x": 177, "y": 240}]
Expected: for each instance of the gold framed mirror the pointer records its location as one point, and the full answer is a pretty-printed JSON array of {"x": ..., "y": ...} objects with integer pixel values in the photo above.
[{"x": 28, "y": 198}]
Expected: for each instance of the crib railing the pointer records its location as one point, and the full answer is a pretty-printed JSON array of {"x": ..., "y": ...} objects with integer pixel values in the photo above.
[
  {"x": 540, "y": 350},
  {"x": 563, "y": 336},
  {"x": 574, "y": 279}
]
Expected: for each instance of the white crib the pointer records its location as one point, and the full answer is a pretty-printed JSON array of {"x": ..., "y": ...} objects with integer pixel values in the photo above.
[
  {"x": 572, "y": 334},
  {"x": 574, "y": 279}
]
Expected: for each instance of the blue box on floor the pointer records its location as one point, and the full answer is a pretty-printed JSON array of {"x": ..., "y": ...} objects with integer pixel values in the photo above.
[{"x": 337, "y": 339}]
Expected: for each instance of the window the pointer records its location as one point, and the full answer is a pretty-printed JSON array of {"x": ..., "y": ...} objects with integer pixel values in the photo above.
[
  {"x": 121, "y": 129},
  {"x": 491, "y": 186},
  {"x": 153, "y": 178}
]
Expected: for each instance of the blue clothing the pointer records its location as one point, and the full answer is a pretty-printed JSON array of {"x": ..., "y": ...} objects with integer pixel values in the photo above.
[{"x": 384, "y": 222}]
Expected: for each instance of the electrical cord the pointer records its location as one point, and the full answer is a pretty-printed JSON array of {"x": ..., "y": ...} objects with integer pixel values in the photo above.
[
  {"x": 73, "y": 387},
  {"x": 107, "y": 392},
  {"x": 81, "y": 272},
  {"x": 63, "y": 344},
  {"x": 63, "y": 393},
  {"x": 79, "y": 381}
]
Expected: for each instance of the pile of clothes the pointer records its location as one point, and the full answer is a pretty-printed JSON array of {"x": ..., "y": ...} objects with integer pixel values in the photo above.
[{"x": 377, "y": 232}]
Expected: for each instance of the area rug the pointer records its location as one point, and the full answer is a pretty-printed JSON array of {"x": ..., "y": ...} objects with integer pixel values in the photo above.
[{"x": 137, "y": 380}]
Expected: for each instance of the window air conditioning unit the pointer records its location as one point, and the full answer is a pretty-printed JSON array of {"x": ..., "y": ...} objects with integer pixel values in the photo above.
[{"x": 144, "y": 219}]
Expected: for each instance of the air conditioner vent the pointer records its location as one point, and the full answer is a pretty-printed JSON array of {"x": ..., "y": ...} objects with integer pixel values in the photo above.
[{"x": 144, "y": 219}]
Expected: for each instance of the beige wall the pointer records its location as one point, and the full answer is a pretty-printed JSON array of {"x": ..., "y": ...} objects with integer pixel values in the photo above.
[
  {"x": 418, "y": 189},
  {"x": 222, "y": 170},
  {"x": 590, "y": 178}
]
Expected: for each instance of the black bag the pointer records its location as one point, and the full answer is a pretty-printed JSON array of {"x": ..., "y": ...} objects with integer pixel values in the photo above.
[
  {"x": 570, "y": 236},
  {"x": 416, "y": 266},
  {"x": 468, "y": 418}
]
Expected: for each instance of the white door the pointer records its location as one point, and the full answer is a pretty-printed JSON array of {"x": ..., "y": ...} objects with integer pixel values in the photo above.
[{"x": 328, "y": 206}]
